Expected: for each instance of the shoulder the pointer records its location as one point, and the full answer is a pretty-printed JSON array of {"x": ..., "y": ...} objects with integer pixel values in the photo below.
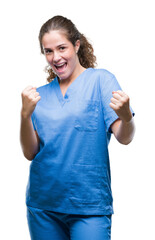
[
  {"x": 106, "y": 81},
  {"x": 44, "y": 88},
  {"x": 103, "y": 77},
  {"x": 103, "y": 73}
]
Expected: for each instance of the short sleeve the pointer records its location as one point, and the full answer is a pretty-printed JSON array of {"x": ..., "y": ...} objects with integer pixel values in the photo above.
[
  {"x": 33, "y": 121},
  {"x": 108, "y": 84}
]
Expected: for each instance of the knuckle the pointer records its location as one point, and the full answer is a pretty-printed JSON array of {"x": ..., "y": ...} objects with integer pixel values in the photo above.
[
  {"x": 126, "y": 96},
  {"x": 30, "y": 98},
  {"x": 123, "y": 101},
  {"x": 23, "y": 94},
  {"x": 128, "y": 99},
  {"x": 120, "y": 104}
]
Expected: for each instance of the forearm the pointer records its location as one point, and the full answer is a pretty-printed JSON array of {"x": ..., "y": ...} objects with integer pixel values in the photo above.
[
  {"x": 28, "y": 138},
  {"x": 125, "y": 131}
]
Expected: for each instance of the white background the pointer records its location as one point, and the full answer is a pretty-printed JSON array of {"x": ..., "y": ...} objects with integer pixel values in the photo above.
[{"x": 123, "y": 35}]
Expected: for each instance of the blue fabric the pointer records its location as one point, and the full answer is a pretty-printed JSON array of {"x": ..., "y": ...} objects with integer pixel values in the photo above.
[
  {"x": 71, "y": 172},
  {"x": 49, "y": 225}
]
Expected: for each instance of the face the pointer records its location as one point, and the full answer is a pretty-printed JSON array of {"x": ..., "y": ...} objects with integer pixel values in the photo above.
[{"x": 60, "y": 54}]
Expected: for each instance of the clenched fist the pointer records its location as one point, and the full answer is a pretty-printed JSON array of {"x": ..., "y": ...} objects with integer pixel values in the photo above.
[
  {"x": 120, "y": 104},
  {"x": 30, "y": 98}
]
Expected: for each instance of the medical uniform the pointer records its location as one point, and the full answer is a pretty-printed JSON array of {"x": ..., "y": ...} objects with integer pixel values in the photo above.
[{"x": 71, "y": 172}]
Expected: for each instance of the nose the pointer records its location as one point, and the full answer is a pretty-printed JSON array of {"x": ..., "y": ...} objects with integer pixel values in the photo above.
[{"x": 56, "y": 57}]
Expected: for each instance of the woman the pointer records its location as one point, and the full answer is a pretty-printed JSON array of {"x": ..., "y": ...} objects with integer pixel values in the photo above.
[{"x": 65, "y": 130}]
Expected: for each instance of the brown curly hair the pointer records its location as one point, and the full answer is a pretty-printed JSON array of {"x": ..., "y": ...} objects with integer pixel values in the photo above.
[{"x": 86, "y": 52}]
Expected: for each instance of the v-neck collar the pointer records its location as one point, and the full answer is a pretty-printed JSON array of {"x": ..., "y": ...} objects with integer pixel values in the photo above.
[{"x": 70, "y": 90}]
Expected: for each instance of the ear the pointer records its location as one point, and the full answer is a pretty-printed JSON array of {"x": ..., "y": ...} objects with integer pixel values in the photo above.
[{"x": 77, "y": 46}]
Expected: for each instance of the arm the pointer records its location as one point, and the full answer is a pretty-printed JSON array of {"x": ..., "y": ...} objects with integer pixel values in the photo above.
[
  {"x": 28, "y": 137},
  {"x": 123, "y": 131},
  {"x": 124, "y": 127}
]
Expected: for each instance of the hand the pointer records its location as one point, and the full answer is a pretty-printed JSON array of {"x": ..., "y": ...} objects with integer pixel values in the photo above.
[
  {"x": 120, "y": 104},
  {"x": 30, "y": 98}
]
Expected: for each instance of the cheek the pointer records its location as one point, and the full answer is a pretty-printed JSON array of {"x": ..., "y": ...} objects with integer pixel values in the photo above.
[
  {"x": 48, "y": 59},
  {"x": 70, "y": 53},
  {"x": 70, "y": 56}
]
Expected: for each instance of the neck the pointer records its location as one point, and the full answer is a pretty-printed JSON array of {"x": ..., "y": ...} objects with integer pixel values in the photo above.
[{"x": 78, "y": 70}]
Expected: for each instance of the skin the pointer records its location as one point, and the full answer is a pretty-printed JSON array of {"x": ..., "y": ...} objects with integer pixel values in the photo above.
[
  {"x": 28, "y": 137},
  {"x": 124, "y": 127},
  {"x": 59, "y": 50}
]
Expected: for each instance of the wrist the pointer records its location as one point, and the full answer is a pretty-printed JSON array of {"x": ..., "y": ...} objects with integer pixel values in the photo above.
[
  {"x": 127, "y": 117},
  {"x": 128, "y": 121},
  {"x": 25, "y": 115}
]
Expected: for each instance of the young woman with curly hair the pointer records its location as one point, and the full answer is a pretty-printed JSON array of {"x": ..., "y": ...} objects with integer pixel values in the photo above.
[{"x": 66, "y": 126}]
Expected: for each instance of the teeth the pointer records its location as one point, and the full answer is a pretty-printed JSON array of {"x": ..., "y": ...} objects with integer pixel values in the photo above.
[{"x": 60, "y": 65}]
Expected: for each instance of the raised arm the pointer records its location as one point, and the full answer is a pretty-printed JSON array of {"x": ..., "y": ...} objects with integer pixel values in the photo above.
[
  {"x": 28, "y": 137},
  {"x": 124, "y": 127}
]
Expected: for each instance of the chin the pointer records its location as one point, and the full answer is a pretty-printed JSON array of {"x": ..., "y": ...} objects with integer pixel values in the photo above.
[{"x": 64, "y": 76}]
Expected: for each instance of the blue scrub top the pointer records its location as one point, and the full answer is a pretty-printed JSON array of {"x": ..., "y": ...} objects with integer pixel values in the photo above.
[{"x": 71, "y": 172}]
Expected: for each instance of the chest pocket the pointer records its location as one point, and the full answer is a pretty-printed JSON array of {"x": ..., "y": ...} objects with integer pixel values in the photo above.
[{"x": 87, "y": 115}]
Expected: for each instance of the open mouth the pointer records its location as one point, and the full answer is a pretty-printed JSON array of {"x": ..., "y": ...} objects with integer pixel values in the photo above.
[{"x": 60, "y": 67}]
